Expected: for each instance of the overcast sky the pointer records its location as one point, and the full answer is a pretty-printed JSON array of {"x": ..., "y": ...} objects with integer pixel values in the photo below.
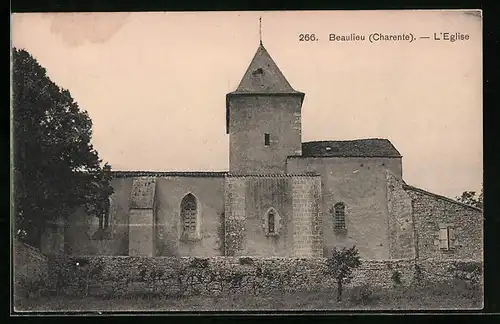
[{"x": 154, "y": 84}]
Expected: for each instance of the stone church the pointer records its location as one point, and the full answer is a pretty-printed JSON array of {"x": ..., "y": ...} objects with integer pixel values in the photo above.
[{"x": 280, "y": 197}]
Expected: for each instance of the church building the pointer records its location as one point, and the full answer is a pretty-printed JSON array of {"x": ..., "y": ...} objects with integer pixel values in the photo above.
[{"x": 281, "y": 197}]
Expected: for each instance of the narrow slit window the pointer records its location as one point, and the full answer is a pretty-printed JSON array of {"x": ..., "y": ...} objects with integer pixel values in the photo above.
[
  {"x": 104, "y": 219},
  {"x": 270, "y": 222},
  {"x": 106, "y": 214},
  {"x": 267, "y": 139}
]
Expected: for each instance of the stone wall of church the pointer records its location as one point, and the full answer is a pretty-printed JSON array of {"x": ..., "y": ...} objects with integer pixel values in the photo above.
[
  {"x": 235, "y": 216},
  {"x": 294, "y": 199},
  {"x": 307, "y": 218},
  {"x": 432, "y": 211},
  {"x": 360, "y": 183},
  {"x": 141, "y": 226},
  {"x": 80, "y": 235},
  {"x": 155, "y": 229},
  {"x": 401, "y": 224},
  {"x": 263, "y": 194},
  {"x": 253, "y": 116},
  {"x": 209, "y": 194}
]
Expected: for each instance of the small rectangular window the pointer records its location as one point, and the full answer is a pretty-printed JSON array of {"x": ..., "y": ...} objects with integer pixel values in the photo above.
[
  {"x": 443, "y": 238},
  {"x": 446, "y": 238},
  {"x": 266, "y": 139}
]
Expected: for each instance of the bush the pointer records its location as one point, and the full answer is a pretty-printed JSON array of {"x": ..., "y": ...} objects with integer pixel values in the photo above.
[
  {"x": 467, "y": 271},
  {"x": 246, "y": 261},
  {"x": 361, "y": 294},
  {"x": 31, "y": 289},
  {"x": 455, "y": 287},
  {"x": 396, "y": 277},
  {"x": 419, "y": 274},
  {"x": 199, "y": 263},
  {"x": 97, "y": 270}
]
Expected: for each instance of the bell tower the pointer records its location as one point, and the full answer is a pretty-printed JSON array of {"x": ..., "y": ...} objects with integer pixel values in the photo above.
[{"x": 263, "y": 119}]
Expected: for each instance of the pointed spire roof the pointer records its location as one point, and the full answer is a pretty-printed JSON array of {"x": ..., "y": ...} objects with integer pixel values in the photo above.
[{"x": 264, "y": 76}]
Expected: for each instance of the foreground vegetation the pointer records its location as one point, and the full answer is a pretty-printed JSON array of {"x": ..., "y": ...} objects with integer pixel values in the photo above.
[
  {"x": 454, "y": 294},
  {"x": 56, "y": 169}
]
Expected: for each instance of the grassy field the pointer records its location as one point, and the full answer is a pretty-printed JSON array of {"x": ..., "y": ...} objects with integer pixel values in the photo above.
[{"x": 450, "y": 296}]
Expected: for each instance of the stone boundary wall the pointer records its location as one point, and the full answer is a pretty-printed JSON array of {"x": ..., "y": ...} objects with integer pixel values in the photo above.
[
  {"x": 30, "y": 270},
  {"x": 113, "y": 276}
]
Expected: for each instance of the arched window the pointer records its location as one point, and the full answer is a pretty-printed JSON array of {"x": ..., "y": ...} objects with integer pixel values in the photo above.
[
  {"x": 271, "y": 222},
  {"x": 339, "y": 217},
  {"x": 188, "y": 214}
]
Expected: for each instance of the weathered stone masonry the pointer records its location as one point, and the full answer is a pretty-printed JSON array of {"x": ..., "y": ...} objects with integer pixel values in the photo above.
[
  {"x": 431, "y": 211},
  {"x": 415, "y": 219},
  {"x": 142, "y": 219},
  {"x": 400, "y": 220},
  {"x": 306, "y": 216},
  {"x": 234, "y": 216},
  {"x": 248, "y": 197}
]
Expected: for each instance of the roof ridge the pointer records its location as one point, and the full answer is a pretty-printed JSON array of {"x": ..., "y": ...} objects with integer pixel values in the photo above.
[
  {"x": 210, "y": 173},
  {"x": 407, "y": 186},
  {"x": 363, "y": 147},
  {"x": 348, "y": 140},
  {"x": 168, "y": 173},
  {"x": 319, "y": 156},
  {"x": 173, "y": 171},
  {"x": 274, "y": 175}
]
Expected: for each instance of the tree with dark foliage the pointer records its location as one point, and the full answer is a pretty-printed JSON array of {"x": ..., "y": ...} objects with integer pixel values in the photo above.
[
  {"x": 340, "y": 265},
  {"x": 470, "y": 198},
  {"x": 56, "y": 168}
]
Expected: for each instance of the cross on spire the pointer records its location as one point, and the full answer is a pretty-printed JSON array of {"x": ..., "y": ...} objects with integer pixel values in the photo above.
[{"x": 260, "y": 30}]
